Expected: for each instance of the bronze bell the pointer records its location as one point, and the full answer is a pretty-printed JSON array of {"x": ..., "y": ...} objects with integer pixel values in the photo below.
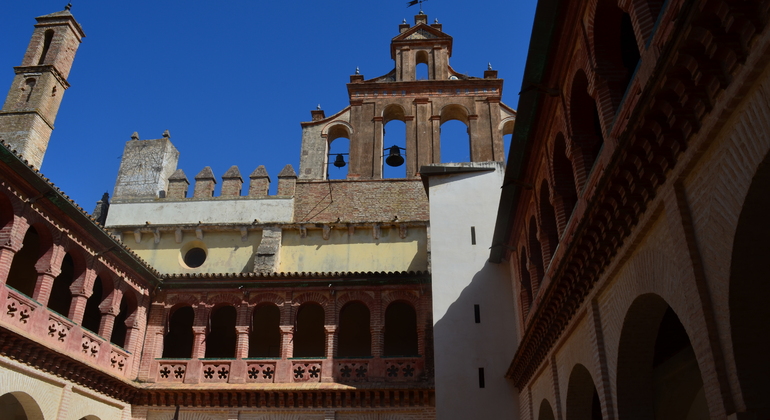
[
  {"x": 394, "y": 158},
  {"x": 339, "y": 161}
]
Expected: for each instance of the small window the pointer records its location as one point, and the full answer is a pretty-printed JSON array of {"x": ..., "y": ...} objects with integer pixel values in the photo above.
[{"x": 195, "y": 257}]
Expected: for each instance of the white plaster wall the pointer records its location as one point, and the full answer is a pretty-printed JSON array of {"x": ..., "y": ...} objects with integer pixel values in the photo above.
[
  {"x": 462, "y": 278},
  {"x": 276, "y": 210}
]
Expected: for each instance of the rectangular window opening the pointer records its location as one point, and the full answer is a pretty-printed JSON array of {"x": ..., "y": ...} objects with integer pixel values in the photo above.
[
  {"x": 473, "y": 235},
  {"x": 477, "y": 313},
  {"x": 481, "y": 377}
]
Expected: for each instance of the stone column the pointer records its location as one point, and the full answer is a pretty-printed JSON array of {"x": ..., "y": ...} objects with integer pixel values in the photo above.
[{"x": 48, "y": 267}]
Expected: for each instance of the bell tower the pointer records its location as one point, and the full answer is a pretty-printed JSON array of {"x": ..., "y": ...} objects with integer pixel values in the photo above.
[
  {"x": 27, "y": 117},
  {"x": 422, "y": 103}
]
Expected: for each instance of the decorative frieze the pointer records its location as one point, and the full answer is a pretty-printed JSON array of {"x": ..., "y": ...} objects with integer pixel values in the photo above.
[
  {"x": 172, "y": 372},
  {"x": 260, "y": 372},
  {"x": 306, "y": 371}
]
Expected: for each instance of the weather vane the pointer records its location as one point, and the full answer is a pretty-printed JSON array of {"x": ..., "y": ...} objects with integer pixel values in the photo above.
[{"x": 413, "y": 2}]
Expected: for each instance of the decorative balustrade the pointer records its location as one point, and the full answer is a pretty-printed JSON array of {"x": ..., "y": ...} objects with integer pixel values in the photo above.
[
  {"x": 28, "y": 317},
  {"x": 292, "y": 370}
]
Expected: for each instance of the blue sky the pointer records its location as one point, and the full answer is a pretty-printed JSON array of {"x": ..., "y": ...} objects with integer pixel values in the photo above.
[{"x": 232, "y": 80}]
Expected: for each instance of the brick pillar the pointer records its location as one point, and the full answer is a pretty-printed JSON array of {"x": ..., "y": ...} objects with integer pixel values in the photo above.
[
  {"x": 134, "y": 334},
  {"x": 48, "y": 267},
  {"x": 81, "y": 289},
  {"x": 178, "y": 185},
  {"x": 259, "y": 182},
  {"x": 435, "y": 139},
  {"x": 6, "y": 259},
  {"x": 379, "y": 134},
  {"x": 107, "y": 323},
  {"x": 205, "y": 183},
  {"x": 477, "y": 152},
  {"x": 287, "y": 181},
  {"x": 378, "y": 340},
  {"x": 14, "y": 238},
  {"x": 199, "y": 342},
  {"x": 411, "y": 147},
  {"x": 242, "y": 342},
  {"x": 331, "y": 341},
  {"x": 232, "y": 183},
  {"x": 287, "y": 341}
]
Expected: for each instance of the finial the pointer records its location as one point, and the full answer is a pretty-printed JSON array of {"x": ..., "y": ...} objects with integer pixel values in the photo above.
[
  {"x": 403, "y": 22},
  {"x": 435, "y": 20},
  {"x": 358, "y": 71},
  {"x": 489, "y": 66},
  {"x": 68, "y": 6},
  {"x": 318, "y": 107},
  {"x": 135, "y": 136},
  {"x": 166, "y": 135}
]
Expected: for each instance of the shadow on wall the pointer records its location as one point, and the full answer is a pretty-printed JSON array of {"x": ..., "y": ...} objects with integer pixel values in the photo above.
[{"x": 463, "y": 346}]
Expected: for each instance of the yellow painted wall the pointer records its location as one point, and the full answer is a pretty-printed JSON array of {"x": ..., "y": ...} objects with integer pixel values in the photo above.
[
  {"x": 357, "y": 252},
  {"x": 225, "y": 251}
]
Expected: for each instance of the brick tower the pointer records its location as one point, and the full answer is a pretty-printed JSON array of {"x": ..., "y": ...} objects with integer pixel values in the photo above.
[{"x": 27, "y": 118}]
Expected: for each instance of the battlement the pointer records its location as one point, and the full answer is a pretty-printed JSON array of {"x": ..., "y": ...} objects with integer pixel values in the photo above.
[{"x": 232, "y": 184}]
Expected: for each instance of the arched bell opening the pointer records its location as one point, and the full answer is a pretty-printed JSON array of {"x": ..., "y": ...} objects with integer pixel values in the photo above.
[
  {"x": 394, "y": 141},
  {"x": 455, "y": 136},
  {"x": 749, "y": 289},
  {"x": 338, "y": 152},
  {"x": 582, "y": 397},
  {"x": 309, "y": 332},
  {"x": 265, "y": 337},
  {"x": 422, "y": 66},
  {"x": 178, "y": 340},
  {"x": 354, "y": 334},
  {"x": 222, "y": 337},
  {"x": 400, "y": 330},
  {"x": 658, "y": 376}
]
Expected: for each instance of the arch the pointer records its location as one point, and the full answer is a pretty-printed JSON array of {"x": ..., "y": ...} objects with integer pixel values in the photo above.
[
  {"x": 233, "y": 299},
  {"x": 422, "y": 65},
  {"x": 92, "y": 317},
  {"x": 347, "y": 297},
  {"x": 338, "y": 145},
  {"x": 400, "y": 335},
  {"x": 616, "y": 51},
  {"x": 394, "y": 134},
  {"x": 657, "y": 374},
  {"x": 548, "y": 222},
  {"x": 454, "y": 112},
  {"x": 337, "y": 129},
  {"x": 535, "y": 253},
  {"x": 61, "y": 297},
  {"x": 748, "y": 292},
  {"x": 526, "y": 283},
  {"x": 354, "y": 334},
  {"x": 309, "y": 331},
  {"x": 178, "y": 340},
  {"x": 128, "y": 306},
  {"x": 393, "y": 112},
  {"x": 582, "y": 398},
  {"x": 545, "y": 412},
  {"x": 585, "y": 124},
  {"x": 23, "y": 273},
  {"x": 563, "y": 181},
  {"x": 506, "y": 125},
  {"x": 47, "y": 39},
  {"x": 265, "y": 337},
  {"x": 222, "y": 337},
  {"x": 20, "y": 406}
]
